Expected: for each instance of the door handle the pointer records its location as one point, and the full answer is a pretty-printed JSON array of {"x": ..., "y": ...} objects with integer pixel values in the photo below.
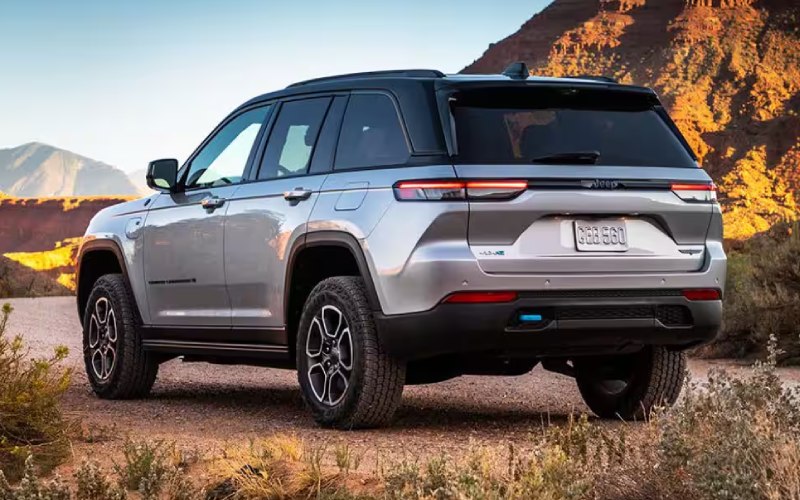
[
  {"x": 297, "y": 194},
  {"x": 212, "y": 202}
]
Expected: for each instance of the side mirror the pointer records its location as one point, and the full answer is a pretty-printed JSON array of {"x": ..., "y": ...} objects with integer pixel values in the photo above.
[{"x": 162, "y": 175}]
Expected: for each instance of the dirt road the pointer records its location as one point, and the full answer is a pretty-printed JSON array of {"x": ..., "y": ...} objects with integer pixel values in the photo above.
[{"x": 206, "y": 406}]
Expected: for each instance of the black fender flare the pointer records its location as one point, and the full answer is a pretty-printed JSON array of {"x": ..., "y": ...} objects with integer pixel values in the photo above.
[
  {"x": 96, "y": 245},
  {"x": 331, "y": 238}
]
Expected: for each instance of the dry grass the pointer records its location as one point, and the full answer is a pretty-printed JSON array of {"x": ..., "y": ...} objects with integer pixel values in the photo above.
[{"x": 728, "y": 438}]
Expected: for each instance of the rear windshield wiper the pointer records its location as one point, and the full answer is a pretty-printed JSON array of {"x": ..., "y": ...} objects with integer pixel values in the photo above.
[{"x": 573, "y": 158}]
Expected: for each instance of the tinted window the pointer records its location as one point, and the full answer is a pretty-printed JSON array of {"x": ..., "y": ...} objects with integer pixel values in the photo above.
[
  {"x": 522, "y": 126},
  {"x": 223, "y": 159},
  {"x": 371, "y": 134},
  {"x": 292, "y": 138}
]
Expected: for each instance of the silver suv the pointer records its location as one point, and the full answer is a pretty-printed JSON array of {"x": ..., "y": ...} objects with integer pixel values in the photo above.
[{"x": 406, "y": 227}]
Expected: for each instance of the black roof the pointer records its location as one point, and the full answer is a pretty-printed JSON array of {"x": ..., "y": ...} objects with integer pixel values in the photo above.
[
  {"x": 399, "y": 73},
  {"x": 415, "y": 92},
  {"x": 411, "y": 78}
]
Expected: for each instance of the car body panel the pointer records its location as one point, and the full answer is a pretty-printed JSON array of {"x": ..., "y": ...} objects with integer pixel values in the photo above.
[
  {"x": 183, "y": 266},
  {"x": 260, "y": 229},
  {"x": 110, "y": 226}
]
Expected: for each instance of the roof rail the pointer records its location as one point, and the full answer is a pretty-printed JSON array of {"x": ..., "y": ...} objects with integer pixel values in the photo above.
[
  {"x": 409, "y": 73},
  {"x": 597, "y": 78}
]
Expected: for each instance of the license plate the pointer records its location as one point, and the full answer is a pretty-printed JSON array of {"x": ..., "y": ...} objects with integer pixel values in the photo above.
[{"x": 601, "y": 236}]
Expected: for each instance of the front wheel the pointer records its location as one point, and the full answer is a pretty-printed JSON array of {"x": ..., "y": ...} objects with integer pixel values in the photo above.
[
  {"x": 116, "y": 364},
  {"x": 630, "y": 386},
  {"x": 347, "y": 379}
]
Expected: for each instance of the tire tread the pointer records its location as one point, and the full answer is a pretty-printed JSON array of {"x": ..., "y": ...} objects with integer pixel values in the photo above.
[
  {"x": 138, "y": 368},
  {"x": 657, "y": 382},
  {"x": 383, "y": 378}
]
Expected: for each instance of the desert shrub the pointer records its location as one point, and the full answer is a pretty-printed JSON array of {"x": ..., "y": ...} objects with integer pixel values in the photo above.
[
  {"x": 93, "y": 484},
  {"x": 736, "y": 438},
  {"x": 32, "y": 488},
  {"x": 154, "y": 470},
  {"x": 143, "y": 461},
  {"x": 31, "y": 422},
  {"x": 763, "y": 297}
]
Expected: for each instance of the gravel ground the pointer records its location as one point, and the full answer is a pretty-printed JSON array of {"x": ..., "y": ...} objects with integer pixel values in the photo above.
[{"x": 206, "y": 406}]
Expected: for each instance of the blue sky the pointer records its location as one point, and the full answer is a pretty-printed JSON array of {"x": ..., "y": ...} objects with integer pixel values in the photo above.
[{"x": 128, "y": 81}]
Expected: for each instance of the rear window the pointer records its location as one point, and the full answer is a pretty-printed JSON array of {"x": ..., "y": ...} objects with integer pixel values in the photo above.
[{"x": 529, "y": 125}]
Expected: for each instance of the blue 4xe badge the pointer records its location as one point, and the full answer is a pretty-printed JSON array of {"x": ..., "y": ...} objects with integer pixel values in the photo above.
[{"x": 492, "y": 253}]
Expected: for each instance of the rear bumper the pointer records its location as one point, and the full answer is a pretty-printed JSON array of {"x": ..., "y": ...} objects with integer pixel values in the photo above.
[{"x": 573, "y": 323}]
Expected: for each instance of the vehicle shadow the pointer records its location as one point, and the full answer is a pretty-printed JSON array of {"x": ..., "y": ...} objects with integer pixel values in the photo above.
[
  {"x": 421, "y": 412},
  {"x": 264, "y": 401}
]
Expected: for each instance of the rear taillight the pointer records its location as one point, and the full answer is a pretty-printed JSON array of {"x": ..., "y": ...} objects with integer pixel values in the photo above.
[
  {"x": 700, "y": 192},
  {"x": 480, "y": 297},
  {"x": 702, "y": 294},
  {"x": 495, "y": 190},
  {"x": 458, "y": 190},
  {"x": 429, "y": 190}
]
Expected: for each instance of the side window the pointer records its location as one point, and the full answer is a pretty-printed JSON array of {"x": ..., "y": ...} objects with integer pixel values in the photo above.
[
  {"x": 223, "y": 159},
  {"x": 371, "y": 134},
  {"x": 292, "y": 138}
]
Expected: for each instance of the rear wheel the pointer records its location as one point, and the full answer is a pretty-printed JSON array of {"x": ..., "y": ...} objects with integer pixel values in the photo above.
[
  {"x": 630, "y": 386},
  {"x": 347, "y": 380},
  {"x": 116, "y": 364}
]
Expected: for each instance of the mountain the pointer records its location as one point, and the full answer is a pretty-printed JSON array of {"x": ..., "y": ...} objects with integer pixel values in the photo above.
[
  {"x": 36, "y": 170},
  {"x": 728, "y": 71},
  {"x": 137, "y": 178}
]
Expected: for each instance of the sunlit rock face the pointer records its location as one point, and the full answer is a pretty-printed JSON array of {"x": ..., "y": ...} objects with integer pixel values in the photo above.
[
  {"x": 42, "y": 235},
  {"x": 728, "y": 70}
]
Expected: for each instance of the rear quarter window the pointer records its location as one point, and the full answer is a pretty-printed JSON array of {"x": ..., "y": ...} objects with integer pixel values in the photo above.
[{"x": 371, "y": 135}]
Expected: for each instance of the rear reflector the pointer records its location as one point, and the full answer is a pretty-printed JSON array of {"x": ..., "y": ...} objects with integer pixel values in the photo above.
[
  {"x": 480, "y": 297},
  {"x": 446, "y": 190},
  {"x": 702, "y": 294}
]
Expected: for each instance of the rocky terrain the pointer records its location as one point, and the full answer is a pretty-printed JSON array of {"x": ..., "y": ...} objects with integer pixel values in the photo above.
[
  {"x": 728, "y": 70},
  {"x": 40, "y": 236}
]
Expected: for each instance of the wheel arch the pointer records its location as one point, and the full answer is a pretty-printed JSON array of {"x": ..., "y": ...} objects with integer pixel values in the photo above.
[
  {"x": 97, "y": 258},
  {"x": 345, "y": 256}
]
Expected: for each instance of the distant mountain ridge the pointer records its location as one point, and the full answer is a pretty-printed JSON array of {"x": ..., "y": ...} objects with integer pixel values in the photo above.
[
  {"x": 728, "y": 70},
  {"x": 41, "y": 170}
]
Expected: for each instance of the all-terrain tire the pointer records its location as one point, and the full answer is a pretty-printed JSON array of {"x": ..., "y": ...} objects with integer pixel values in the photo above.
[
  {"x": 376, "y": 380},
  {"x": 654, "y": 378},
  {"x": 133, "y": 372}
]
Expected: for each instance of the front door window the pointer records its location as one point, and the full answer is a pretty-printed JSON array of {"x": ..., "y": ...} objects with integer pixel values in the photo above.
[{"x": 223, "y": 159}]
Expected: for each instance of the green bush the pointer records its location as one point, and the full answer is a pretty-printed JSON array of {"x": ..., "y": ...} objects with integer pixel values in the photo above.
[
  {"x": 31, "y": 422},
  {"x": 762, "y": 297}
]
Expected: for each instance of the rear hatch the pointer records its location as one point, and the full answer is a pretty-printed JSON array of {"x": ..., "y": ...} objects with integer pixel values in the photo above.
[{"x": 578, "y": 179}]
